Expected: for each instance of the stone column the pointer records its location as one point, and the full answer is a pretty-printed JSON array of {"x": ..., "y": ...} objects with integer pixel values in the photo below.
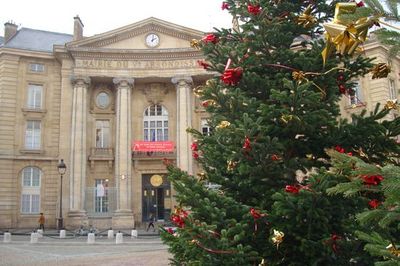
[
  {"x": 123, "y": 216},
  {"x": 184, "y": 121},
  {"x": 78, "y": 157}
]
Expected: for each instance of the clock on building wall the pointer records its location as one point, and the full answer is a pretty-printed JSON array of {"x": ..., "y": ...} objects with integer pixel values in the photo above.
[{"x": 152, "y": 40}]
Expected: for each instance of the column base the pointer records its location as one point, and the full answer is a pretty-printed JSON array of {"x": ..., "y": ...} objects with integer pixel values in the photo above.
[
  {"x": 76, "y": 219},
  {"x": 123, "y": 219}
]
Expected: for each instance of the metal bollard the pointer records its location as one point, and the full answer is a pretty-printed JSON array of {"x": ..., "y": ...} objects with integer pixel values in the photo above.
[
  {"x": 110, "y": 234},
  {"x": 40, "y": 233},
  {"x": 34, "y": 238},
  {"x": 90, "y": 238},
  {"x": 119, "y": 238},
  {"x": 7, "y": 237},
  {"x": 62, "y": 233},
  {"x": 134, "y": 233}
]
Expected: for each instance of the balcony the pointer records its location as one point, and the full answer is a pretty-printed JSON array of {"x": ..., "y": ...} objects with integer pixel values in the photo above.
[
  {"x": 153, "y": 155},
  {"x": 102, "y": 154}
]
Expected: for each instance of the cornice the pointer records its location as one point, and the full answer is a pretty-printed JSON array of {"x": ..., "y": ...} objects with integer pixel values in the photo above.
[
  {"x": 28, "y": 157},
  {"x": 26, "y": 53},
  {"x": 113, "y": 54}
]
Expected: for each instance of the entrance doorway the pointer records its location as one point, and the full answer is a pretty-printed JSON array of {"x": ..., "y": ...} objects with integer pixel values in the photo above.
[{"x": 155, "y": 197}]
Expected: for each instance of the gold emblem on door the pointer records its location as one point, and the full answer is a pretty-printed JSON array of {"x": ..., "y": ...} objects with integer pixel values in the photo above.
[{"x": 156, "y": 180}]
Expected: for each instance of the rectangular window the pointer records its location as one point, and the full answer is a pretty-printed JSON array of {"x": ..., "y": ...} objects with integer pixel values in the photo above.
[
  {"x": 392, "y": 90},
  {"x": 356, "y": 98},
  {"x": 33, "y": 135},
  {"x": 101, "y": 196},
  {"x": 36, "y": 67},
  {"x": 31, "y": 177},
  {"x": 30, "y": 203},
  {"x": 205, "y": 129},
  {"x": 35, "y": 93},
  {"x": 155, "y": 130},
  {"x": 102, "y": 134}
]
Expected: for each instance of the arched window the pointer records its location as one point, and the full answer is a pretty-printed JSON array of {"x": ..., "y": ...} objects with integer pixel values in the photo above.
[
  {"x": 155, "y": 123},
  {"x": 30, "y": 195}
]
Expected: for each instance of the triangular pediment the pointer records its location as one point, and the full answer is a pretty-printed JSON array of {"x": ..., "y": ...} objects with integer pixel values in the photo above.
[{"x": 133, "y": 36}]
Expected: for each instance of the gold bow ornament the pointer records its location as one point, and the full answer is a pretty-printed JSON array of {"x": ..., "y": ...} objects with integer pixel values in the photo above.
[{"x": 345, "y": 38}]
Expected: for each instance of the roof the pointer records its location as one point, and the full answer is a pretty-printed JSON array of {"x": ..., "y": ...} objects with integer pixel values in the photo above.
[{"x": 37, "y": 40}]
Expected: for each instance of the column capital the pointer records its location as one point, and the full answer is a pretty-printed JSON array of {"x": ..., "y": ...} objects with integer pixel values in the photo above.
[
  {"x": 182, "y": 80},
  {"x": 124, "y": 81},
  {"x": 80, "y": 80}
]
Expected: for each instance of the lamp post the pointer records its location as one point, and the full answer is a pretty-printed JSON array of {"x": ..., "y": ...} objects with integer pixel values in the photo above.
[{"x": 61, "y": 170}]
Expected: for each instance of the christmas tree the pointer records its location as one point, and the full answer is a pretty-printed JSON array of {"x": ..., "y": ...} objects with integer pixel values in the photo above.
[
  {"x": 379, "y": 187},
  {"x": 274, "y": 112}
]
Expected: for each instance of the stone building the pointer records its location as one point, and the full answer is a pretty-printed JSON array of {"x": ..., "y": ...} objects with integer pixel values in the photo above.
[{"x": 112, "y": 106}]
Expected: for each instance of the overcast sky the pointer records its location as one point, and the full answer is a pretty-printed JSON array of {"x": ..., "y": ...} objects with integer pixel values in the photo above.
[{"x": 101, "y": 16}]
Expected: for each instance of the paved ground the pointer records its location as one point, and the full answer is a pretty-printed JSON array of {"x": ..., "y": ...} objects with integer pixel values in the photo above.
[{"x": 145, "y": 250}]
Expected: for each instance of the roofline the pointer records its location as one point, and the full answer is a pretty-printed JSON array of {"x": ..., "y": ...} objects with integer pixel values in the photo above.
[
  {"x": 111, "y": 33},
  {"x": 27, "y": 53}
]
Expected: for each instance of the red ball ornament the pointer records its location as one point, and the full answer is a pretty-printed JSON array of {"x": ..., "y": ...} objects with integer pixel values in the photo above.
[
  {"x": 195, "y": 155},
  {"x": 342, "y": 89},
  {"x": 339, "y": 149},
  {"x": 374, "y": 203},
  {"x": 340, "y": 77},
  {"x": 225, "y": 5}
]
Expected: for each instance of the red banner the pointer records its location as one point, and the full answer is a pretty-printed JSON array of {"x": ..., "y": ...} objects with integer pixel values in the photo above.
[{"x": 155, "y": 146}]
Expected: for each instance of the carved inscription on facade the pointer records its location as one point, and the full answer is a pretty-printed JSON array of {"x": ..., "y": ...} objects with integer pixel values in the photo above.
[{"x": 115, "y": 64}]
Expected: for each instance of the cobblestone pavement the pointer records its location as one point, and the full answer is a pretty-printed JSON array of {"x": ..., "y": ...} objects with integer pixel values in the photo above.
[{"x": 146, "y": 251}]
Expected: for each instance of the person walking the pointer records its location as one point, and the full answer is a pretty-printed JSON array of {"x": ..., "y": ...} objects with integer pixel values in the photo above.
[
  {"x": 151, "y": 222},
  {"x": 41, "y": 221}
]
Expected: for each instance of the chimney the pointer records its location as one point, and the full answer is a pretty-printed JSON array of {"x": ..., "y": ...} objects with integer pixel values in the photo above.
[
  {"x": 78, "y": 29},
  {"x": 10, "y": 29}
]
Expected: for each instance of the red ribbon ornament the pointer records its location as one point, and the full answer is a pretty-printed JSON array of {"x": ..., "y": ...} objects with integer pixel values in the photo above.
[
  {"x": 372, "y": 180},
  {"x": 210, "y": 38},
  {"x": 334, "y": 238},
  {"x": 203, "y": 64},
  {"x": 194, "y": 146},
  {"x": 254, "y": 9},
  {"x": 232, "y": 76},
  {"x": 247, "y": 144},
  {"x": 292, "y": 189}
]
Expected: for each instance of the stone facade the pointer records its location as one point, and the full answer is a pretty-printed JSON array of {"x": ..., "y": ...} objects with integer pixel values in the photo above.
[
  {"x": 86, "y": 100},
  {"x": 373, "y": 91},
  {"x": 110, "y": 78}
]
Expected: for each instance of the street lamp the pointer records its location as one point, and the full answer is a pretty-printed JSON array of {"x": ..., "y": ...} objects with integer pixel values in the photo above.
[{"x": 61, "y": 170}]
